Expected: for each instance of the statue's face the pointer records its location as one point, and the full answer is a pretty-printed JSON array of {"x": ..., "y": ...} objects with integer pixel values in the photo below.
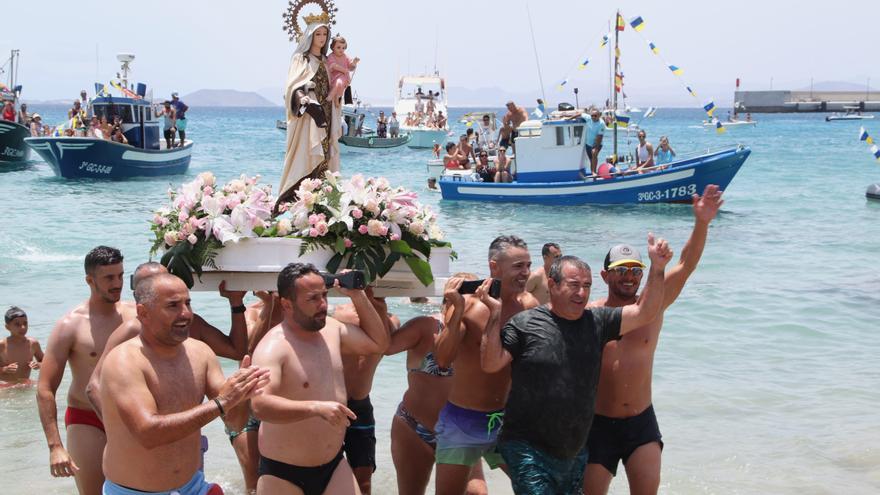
[{"x": 319, "y": 39}]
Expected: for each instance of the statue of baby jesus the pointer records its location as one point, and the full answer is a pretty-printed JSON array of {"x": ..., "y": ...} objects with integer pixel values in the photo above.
[{"x": 339, "y": 66}]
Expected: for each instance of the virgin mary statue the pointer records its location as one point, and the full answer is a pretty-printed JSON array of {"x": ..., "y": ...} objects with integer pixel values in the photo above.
[{"x": 313, "y": 121}]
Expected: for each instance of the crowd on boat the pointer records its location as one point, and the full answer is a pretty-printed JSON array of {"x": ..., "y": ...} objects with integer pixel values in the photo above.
[
  {"x": 478, "y": 371},
  {"x": 425, "y": 112}
]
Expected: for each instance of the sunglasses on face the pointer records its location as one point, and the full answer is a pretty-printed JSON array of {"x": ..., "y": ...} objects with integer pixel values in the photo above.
[{"x": 622, "y": 270}]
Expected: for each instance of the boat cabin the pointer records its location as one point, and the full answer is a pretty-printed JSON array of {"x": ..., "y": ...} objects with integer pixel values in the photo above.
[
  {"x": 139, "y": 122},
  {"x": 550, "y": 150}
]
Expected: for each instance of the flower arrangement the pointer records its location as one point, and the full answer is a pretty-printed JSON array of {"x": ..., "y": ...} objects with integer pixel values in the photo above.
[{"x": 367, "y": 224}]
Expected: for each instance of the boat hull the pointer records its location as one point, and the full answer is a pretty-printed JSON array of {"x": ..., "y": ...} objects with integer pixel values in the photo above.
[
  {"x": 365, "y": 143},
  {"x": 77, "y": 157},
  {"x": 12, "y": 146},
  {"x": 673, "y": 185},
  {"x": 848, "y": 117},
  {"x": 425, "y": 138}
]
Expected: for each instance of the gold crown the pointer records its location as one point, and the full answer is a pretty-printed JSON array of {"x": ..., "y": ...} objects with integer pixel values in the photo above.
[
  {"x": 322, "y": 18},
  {"x": 291, "y": 16}
]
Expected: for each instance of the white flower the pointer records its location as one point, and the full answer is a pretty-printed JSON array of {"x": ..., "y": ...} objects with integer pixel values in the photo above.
[
  {"x": 417, "y": 228},
  {"x": 284, "y": 227},
  {"x": 435, "y": 233},
  {"x": 374, "y": 228},
  {"x": 171, "y": 237},
  {"x": 236, "y": 185},
  {"x": 207, "y": 178},
  {"x": 192, "y": 239}
]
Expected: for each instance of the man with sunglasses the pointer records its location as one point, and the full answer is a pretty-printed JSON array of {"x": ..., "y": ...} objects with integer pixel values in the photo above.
[{"x": 625, "y": 427}]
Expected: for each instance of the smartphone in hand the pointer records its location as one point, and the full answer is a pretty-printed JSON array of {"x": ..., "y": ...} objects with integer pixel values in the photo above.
[
  {"x": 354, "y": 279},
  {"x": 471, "y": 286}
]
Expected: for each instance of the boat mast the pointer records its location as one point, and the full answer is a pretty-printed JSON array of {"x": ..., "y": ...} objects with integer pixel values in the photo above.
[
  {"x": 535, "y": 49},
  {"x": 616, "y": 69}
]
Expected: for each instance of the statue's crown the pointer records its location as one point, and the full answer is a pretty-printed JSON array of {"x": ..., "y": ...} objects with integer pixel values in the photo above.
[
  {"x": 322, "y": 18},
  {"x": 291, "y": 16}
]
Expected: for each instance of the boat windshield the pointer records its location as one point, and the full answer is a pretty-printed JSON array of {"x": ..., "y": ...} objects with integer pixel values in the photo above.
[{"x": 109, "y": 111}]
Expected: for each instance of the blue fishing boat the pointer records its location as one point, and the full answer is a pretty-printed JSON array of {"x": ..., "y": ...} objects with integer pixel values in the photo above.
[
  {"x": 12, "y": 134},
  {"x": 144, "y": 155},
  {"x": 550, "y": 164}
]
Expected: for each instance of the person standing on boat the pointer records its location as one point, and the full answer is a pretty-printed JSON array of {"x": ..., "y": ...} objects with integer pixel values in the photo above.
[
  {"x": 382, "y": 125},
  {"x": 393, "y": 125},
  {"x": 180, "y": 109},
  {"x": 593, "y": 143},
  {"x": 313, "y": 129},
  {"x": 23, "y": 117},
  {"x": 664, "y": 153},
  {"x": 644, "y": 152},
  {"x": 168, "y": 127},
  {"x": 515, "y": 116},
  {"x": 37, "y": 125},
  {"x": 625, "y": 427},
  {"x": 9, "y": 112}
]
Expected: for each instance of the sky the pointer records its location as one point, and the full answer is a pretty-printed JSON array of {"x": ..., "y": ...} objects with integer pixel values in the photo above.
[{"x": 222, "y": 44}]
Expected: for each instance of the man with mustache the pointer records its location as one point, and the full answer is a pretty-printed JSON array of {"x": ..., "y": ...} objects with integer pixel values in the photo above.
[
  {"x": 79, "y": 338},
  {"x": 303, "y": 412}
]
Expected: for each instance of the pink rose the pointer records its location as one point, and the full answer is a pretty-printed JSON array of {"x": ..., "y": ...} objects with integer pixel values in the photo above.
[
  {"x": 192, "y": 239},
  {"x": 322, "y": 228},
  {"x": 363, "y": 229},
  {"x": 208, "y": 190},
  {"x": 357, "y": 213},
  {"x": 384, "y": 231},
  {"x": 348, "y": 242},
  {"x": 395, "y": 237},
  {"x": 313, "y": 232}
]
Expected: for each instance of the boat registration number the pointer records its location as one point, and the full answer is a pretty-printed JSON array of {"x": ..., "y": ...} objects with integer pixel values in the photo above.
[
  {"x": 94, "y": 168},
  {"x": 13, "y": 152},
  {"x": 674, "y": 193}
]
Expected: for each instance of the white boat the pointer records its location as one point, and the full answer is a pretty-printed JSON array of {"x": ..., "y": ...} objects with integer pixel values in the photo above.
[
  {"x": 411, "y": 90},
  {"x": 730, "y": 123},
  {"x": 852, "y": 113}
]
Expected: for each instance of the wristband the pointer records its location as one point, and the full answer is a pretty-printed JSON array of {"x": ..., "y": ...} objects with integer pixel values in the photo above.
[
  {"x": 220, "y": 407},
  {"x": 238, "y": 309}
]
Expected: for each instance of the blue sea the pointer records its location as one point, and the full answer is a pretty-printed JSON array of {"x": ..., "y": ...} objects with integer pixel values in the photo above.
[{"x": 766, "y": 378}]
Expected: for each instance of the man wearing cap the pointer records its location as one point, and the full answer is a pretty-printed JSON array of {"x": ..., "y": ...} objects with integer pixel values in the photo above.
[
  {"x": 181, "y": 108},
  {"x": 555, "y": 352},
  {"x": 625, "y": 427}
]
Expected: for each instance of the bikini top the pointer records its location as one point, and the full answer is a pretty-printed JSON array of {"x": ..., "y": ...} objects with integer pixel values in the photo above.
[{"x": 429, "y": 365}]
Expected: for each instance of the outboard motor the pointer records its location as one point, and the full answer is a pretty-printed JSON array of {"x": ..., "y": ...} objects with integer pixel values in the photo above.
[
  {"x": 565, "y": 107},
  {"x": 873, "y": 192}
]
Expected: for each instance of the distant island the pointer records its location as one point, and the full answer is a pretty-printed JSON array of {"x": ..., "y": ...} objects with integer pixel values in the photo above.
[{"x": 225, "y": 98}]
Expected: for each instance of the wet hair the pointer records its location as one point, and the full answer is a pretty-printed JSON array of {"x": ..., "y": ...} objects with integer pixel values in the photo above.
[
  {"x": 101, "y": 256},
  {"x": 449, "y": 146},
  {"x": 463, "y": 136},
  {"x": 486, "y": 117},
  {"x": 545, "y": 250},
  {"x": 139, "y": 276},
  {"x": 503, "y": 243},
  {"x": 13, "y": 313},
  {"x": 556, "y": 268},
  {"x": 290, "y": 274}
]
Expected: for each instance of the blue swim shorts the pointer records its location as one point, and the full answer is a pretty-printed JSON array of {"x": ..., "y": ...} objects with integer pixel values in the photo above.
[
  {"x": 464, "y": 435},
  {"x": 535, "y": 472},
  {"x": 181, "y": 125},
  {"x": 196, "y": 486}
]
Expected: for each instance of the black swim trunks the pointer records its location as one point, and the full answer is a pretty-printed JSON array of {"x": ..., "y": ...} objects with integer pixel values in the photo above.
[
  {"x": 360, "y": 436},
  {"x": 612, "y": 440},
  {"x": 311, "y": 480}
]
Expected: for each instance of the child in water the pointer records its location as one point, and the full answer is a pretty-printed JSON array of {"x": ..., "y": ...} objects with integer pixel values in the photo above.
[
  {"x": 18, "y": 354},
  {"x": 339, "y": 68}
]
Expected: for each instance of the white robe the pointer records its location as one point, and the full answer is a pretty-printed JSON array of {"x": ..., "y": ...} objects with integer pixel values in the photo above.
[{"x": 304, "y": 150}]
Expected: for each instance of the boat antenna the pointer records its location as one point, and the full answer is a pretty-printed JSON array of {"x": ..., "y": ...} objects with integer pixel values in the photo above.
[
  {"x": 535, "y": 48},
  {"x": 436, "y": 41},
  {"x": 616, "y": 70}
]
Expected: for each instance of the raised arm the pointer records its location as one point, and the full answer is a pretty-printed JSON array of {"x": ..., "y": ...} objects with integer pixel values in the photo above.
[
  {"x": 416, "y": 334},
  {"x": 232, "y": 346},
  {"x": 372, "y": 336},
  {"x": 138, "y": 410},
  {"x": 705, "y": 208},
  {"x": 449, "y": 339},
  {"x": 649, "y": 304},
  {"x": 493, "y": 356},
  {"x": 57, "y": 350},
  {"x": 262, "y": 322}
]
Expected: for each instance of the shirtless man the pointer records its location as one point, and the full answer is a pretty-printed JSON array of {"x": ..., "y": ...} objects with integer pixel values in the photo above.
[
  {"x": 514, "y": 117},
  {"x": 468, "y": 425},
  {"x": 303, "y": 410},
  {"x": 537, "y": 283},
  {"x": 153, "y": 388},
  {"x": 625, "y": 427},
  {"x": 19, "y": 354},
  {"x": 234, "y": 346},
  {"x": 79, "y": 337},
  {"x": 465, "y": 152},
  {"x": 360, "y": 436}
]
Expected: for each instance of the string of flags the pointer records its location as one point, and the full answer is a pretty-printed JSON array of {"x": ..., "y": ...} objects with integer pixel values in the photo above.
[{"x": 863, "y": 136}]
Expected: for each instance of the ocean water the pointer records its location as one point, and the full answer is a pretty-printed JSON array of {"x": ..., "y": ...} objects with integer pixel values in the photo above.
[{"x": 766, "y": 379}]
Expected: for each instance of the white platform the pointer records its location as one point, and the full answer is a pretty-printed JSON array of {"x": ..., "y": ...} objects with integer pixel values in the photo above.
[{"x": 254, "y": 264}]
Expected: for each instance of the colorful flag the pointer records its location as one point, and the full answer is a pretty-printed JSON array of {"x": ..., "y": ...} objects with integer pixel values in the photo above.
[
  {"x": 620, "y": 23},
  {"x": 675, "y": 70},
  {"x": 638, "y": 24},
  {"x": 622, "y": 120},
  {"x": 876, "y": 151},
  {"x": 653, "y": 48},
  {"x": 617, "y": 52},
  {"x": 583, "y": 65},
  {"x": 563, "y": 83},
  {"x": 709, "y": 108},
  {"x": 719, "y": 128},
  {"x": 604, "y": 41},
  {"x": 618, "y": 82},
  {"x": 863, "y": 136},
  {"x": 692, "y": 92}
]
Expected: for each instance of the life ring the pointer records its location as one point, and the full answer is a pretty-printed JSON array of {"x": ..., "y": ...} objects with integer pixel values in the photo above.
[{"x": 370, "y": 141}]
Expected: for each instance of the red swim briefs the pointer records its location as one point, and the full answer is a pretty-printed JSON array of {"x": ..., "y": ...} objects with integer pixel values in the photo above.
[{"x": 77, "y": 416}]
